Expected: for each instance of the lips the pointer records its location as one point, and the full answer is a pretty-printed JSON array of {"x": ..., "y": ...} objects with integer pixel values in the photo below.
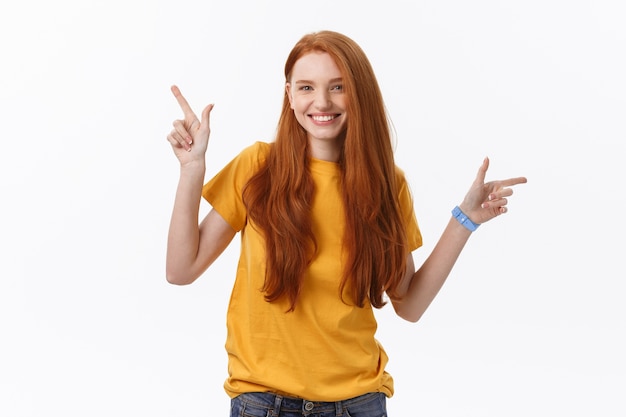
[{"x": 324, "y": 118}]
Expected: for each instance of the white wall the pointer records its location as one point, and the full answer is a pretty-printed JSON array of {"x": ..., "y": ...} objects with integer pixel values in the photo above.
[{"x": 531, "y": 320}]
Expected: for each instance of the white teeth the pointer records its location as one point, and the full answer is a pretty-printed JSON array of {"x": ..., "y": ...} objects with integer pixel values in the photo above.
[{"x": 323, "y": 118}]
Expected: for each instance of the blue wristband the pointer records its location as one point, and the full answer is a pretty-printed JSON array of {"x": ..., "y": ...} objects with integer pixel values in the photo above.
[{"x": 464, "y": 220}]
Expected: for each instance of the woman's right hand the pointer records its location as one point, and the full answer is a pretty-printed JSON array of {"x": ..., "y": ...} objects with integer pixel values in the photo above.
[{"x": 190, "y": 136}]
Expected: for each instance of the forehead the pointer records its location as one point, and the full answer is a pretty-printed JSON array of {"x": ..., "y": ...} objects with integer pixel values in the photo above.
[{"x": 315, "y": 65}]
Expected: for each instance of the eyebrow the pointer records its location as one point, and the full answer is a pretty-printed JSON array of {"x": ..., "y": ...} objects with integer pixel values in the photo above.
[{"x": 334, "y": 80}]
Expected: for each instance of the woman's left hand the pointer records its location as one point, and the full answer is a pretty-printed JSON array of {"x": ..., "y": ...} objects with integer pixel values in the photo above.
[{"x": 486, "y": 200}]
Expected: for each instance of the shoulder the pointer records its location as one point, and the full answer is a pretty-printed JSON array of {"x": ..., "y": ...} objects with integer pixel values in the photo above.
[
  {"x": 400, "y": 176},
  {"x": 258, "y": 150},
  {"x": 403, "y": 187},
  {"x": 251, "y": 157}
]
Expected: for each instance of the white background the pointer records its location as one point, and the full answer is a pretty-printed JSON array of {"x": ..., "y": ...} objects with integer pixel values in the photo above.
[{"x": 531, "y": 321}]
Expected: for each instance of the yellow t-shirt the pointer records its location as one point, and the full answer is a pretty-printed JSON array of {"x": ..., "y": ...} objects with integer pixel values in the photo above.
[{"x": 326, "y": 349}]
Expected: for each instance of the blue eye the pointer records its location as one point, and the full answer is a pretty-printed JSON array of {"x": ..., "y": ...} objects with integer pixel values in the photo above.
[{"x": 337, "y": 87}]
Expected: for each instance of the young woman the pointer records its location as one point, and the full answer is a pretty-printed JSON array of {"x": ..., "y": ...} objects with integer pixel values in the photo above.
[{"x": 327, "y": 233}]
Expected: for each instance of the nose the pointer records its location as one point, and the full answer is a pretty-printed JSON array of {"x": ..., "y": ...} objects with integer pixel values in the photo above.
[{"x": 322, "y": 99}]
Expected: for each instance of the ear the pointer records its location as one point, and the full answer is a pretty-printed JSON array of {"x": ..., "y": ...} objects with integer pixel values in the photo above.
[{"x": 288, "y": 92}]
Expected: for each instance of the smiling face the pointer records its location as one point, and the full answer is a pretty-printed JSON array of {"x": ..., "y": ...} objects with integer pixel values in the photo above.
[{"x": 317, "y": 98}]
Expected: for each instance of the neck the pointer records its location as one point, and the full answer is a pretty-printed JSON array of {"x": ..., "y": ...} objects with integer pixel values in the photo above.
[{"x": 325, "y": 150}]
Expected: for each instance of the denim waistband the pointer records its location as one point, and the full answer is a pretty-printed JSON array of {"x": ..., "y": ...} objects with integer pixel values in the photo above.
[{"x": 283, "y": 403}]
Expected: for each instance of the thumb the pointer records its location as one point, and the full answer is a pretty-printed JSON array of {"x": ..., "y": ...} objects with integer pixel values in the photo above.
[
  {"x": 205, "y": 118},
  {"x": 482, "y": 172}
]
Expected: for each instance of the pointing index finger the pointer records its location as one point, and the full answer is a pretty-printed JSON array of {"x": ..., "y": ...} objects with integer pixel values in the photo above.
[
  {"x": 182, "y": 102},
  {"x": 514, "y": 181}
]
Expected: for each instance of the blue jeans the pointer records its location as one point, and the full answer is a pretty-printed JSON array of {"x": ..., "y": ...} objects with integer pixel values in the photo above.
[{"x": 263, "y": 404}]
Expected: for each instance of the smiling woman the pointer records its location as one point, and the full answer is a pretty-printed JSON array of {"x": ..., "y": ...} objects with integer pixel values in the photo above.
[
  {"x": 316, "y": 95},
  {"x": 327, "y": 230}
]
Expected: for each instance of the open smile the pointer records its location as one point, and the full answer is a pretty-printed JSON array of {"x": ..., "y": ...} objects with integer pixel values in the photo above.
[{"x": 324, "y": 117}]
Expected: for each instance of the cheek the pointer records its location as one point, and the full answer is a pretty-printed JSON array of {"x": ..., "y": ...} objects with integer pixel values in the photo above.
[
  {"x": 342, "y": 101},
  {"x": 298, "y": 104}
]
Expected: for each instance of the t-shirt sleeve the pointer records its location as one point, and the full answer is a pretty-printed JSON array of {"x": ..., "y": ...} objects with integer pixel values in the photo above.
[
  {"x": 413, "y": 234},
  {"x": 224, "y": 190}
]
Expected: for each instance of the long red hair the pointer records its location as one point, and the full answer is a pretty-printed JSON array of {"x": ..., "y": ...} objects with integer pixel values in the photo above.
[{"x": 278, "y": 197}]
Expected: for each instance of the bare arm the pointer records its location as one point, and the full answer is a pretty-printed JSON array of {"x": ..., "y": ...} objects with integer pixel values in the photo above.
[
  {"x": 421, "y": 286},
  {"x": 192, "y": 247},
  {"x": 483, "y": 202}
]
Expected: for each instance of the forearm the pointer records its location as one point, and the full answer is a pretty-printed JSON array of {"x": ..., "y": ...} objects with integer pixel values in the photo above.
[
  {"x": 184, "y": 233},
  {"x": 430, "y": 277}
]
